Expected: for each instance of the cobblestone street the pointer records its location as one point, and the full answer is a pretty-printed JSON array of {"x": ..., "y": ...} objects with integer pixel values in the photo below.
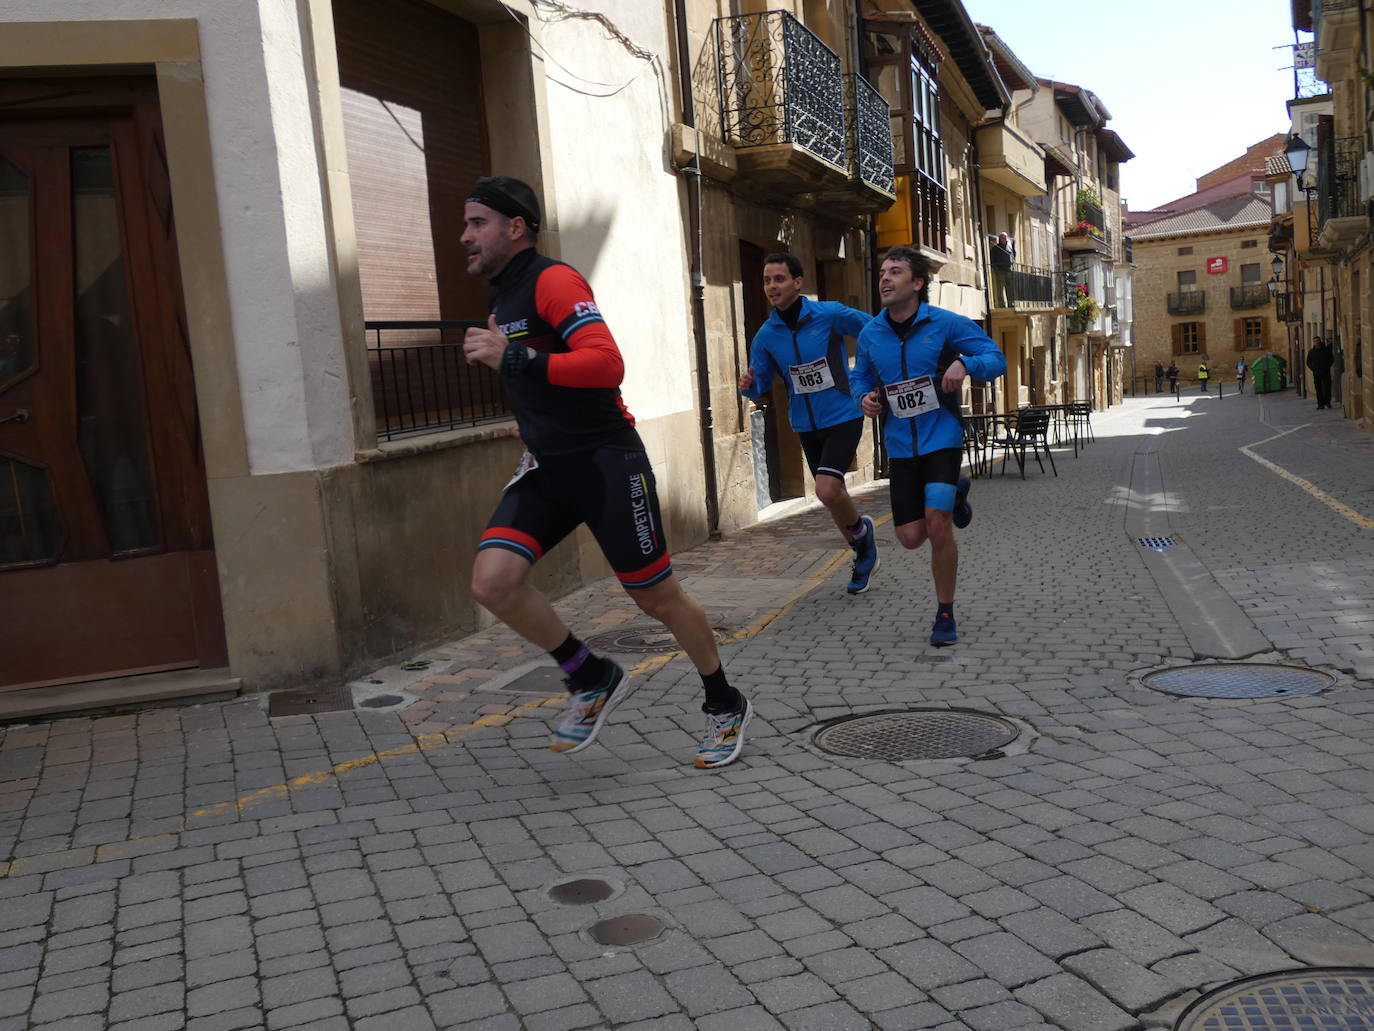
[{"x": 206, "y": 867}]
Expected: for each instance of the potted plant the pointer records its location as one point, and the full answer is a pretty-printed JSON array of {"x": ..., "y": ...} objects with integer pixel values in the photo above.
[{"x": 1083, "y": 309}]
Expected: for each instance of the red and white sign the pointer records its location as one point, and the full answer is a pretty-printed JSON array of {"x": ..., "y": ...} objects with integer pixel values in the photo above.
[{"x": 1215, "y": 266}]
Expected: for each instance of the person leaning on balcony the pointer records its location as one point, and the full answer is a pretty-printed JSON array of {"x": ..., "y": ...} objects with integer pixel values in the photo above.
[
  {"x": 1203, "y": 374},
  {"x": 584, "y": 463},
  {"x": 1001, "y": 257}
]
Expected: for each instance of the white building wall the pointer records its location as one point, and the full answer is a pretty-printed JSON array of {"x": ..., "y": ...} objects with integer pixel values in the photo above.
[{"x": 619, "y": 215}]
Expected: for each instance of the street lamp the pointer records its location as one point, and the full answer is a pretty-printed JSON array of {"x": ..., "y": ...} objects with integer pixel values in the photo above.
[
  {"x": 1299, "y": 153},
  {"x": 1277, "y": 266}
]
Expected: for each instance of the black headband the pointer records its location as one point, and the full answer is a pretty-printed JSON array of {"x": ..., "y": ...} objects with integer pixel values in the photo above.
[{"x": 495, "y": 196}]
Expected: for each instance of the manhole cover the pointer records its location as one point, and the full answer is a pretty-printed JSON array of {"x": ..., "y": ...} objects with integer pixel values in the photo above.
[
  {"x": 652, "y": 639},
  {"x": 1320, "y": 998},
  {"x": 381, "y": 701},
  {"x": 1238, "y": 680},
  {"x": 626, "y": 930},
  {"x": 916, "y": 734},
  {"x": 582, "y": 891},
  {"x": 299, "y": 703},
  {"x": 1156, "y": 543}
]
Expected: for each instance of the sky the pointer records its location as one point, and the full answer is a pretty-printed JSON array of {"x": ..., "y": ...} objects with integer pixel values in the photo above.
[{"x": 1190, "y": 84}]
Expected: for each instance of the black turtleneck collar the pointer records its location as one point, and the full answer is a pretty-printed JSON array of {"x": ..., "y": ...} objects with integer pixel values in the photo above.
[
  {"x": 515, "y": 268},
  {"x": 791, "y": 313}
]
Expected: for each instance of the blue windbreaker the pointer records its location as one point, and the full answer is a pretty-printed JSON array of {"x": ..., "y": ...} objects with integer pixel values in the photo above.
[
  {"x": 820, "y": 332},
  {"x": 935, "y": 340}
]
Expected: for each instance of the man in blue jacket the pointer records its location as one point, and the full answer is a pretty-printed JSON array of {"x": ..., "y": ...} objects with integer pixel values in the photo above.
[
  {"x": 803, "y": 342},
  {"x": 911, "y": 366}
]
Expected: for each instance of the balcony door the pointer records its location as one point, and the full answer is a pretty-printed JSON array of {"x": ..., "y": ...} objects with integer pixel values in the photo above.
[{"x": 106, "y": 561}]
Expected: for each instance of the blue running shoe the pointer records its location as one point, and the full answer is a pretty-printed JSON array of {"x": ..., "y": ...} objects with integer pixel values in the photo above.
[
  {"x": 724, "y": 737},
  {"x": 865, "y": 561},
  {"x": 963, "y": 511},
  {"x": 943, "y": 632},
  {"x": 587, "y": 711}
]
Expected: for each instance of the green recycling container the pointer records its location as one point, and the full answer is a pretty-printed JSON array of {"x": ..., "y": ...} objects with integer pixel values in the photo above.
[{"x": 1269, "y": 372}]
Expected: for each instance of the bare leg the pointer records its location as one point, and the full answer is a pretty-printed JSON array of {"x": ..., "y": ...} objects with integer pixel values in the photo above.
[
  {"x": 668, "y": 603},
  {"x": 944, "y": 554},
  {"x": 832, "y": 493},
  {"x": 500, "y": 585}
]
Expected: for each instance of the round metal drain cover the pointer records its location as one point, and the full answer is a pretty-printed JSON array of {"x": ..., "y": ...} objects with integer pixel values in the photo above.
[
  {"x": 649, "y": 639},
  {"x": 381, "y": 701},
  {"x": 1320, "y": 998},
  {"x": 626, "y": 930},
  {"x": 581, "y": 891},
  {"x": 916, "y": 734},
  {"x": 1239, "y": 680}
]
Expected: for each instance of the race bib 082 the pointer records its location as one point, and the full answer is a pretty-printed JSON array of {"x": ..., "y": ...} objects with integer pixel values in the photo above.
[{"x": 912, "y": 397}]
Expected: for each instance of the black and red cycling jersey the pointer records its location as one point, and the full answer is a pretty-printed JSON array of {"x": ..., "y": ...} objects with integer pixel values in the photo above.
[{"x": 568, "y": 398}]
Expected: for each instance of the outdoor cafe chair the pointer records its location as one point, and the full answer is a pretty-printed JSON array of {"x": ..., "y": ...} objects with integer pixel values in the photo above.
[{"x": 1028, "y": 430}]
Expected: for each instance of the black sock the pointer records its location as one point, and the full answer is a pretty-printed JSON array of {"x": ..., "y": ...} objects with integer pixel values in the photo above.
[
  {"x": 945, "y": 609},
  {"x": 576, "y": 660},
  {"x": 720, "y": 696}
]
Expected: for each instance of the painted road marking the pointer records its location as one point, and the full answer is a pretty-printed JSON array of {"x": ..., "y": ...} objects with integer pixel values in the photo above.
[{"x": 1341, "y": 509}]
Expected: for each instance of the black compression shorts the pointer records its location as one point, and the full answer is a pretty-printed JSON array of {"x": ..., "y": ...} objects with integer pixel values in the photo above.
[
  {"x": 928, "y": 481},
  {"x": 611, "y": 489},
  {"x": 830, "y": 450}
]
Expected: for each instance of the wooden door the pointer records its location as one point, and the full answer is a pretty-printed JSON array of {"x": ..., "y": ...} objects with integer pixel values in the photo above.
[{"x": 106, "y": 559}]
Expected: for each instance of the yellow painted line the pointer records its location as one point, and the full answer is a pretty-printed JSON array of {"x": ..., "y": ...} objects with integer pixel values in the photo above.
[
  {"x": 1340, "y": 508},
  {"x": 426, "y": 742}
]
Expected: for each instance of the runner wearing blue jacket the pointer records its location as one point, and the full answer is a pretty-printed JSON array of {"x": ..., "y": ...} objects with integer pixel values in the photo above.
[
  {"x": 803, "y": 342},
  {"x": 910, "y": 368}
]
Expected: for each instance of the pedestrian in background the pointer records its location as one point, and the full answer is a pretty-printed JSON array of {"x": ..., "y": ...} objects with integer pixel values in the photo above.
[
  {"x": 1203, "y": 374},
  {"x": 1241, "y": 370},
  {"x": 1159, "y": 377},
  {"x": 1172, "y": 373},
  {"x": 1319, "y": 361},
  {"x": 1001, "y": 256}
]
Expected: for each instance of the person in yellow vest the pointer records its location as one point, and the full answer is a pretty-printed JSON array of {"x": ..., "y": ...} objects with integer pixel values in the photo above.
[{"x": 1202, "y": 375}]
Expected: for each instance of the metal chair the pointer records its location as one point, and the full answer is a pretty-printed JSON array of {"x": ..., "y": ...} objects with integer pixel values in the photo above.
[{"x": 1028, "y": 429}]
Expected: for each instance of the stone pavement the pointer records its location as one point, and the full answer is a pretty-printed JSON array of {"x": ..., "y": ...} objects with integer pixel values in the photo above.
[{"x": 209, "y": 868}]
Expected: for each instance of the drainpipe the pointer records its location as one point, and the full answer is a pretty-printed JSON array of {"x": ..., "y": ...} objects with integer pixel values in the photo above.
[
  {"x": 981, "y": 228},
  {"x": 693, "y": 174}
]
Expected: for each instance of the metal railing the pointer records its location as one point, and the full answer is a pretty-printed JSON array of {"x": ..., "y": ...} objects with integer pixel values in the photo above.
[
  {"x": 1338, "y": 179},
  {"x": 1024, "y": 284},
  {"x": 779, "y": 84},
  {"x": 1249, "y": 295},
  {"x": 1286, "y": 307},
  {"x": 868, "y": 134},
  {"x": 1094, "y": 216},
  {"x": 1187, "y": 302},
  {"x": 421, "y": 383}
]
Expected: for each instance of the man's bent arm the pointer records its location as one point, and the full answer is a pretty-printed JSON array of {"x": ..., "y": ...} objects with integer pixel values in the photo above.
[{"x": 565, "y": 301}]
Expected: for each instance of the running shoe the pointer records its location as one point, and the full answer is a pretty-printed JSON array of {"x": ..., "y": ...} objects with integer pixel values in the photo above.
[
  {"x": 963, "y": 511},
  {"x": 943, "y": 632},
  {"x": 587, "y": 711},
  {"x": 865, "y": 560},
  {"x": 724, "y": 737}
]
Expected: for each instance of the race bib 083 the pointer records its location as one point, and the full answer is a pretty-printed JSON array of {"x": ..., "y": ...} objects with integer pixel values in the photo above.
[{"x": 811, "y": 377}]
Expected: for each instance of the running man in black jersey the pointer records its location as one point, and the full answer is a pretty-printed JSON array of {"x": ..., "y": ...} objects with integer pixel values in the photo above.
[{"x": 583, "y": 463}]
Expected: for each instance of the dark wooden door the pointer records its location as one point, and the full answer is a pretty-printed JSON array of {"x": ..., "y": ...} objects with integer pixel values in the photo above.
[{"x": 106, "y": 559}]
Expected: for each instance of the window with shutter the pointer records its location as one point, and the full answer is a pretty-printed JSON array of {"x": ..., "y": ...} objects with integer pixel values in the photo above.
[
  {"x": 1176, "y": 333},
  {"x": 1238, "y": 331}
]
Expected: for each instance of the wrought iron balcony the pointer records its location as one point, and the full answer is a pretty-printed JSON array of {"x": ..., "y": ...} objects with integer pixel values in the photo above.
[
  {"x": 868, "y": 135},
  {"x": 1341, "y": 217},
  {"x": 1286, "y": 307},
  {"x": 782, "y": 101},
  {"x": 1023, "y": 286},
  {"x": 1249, "y": 295},
  {"x": 1187, "y": 302}
]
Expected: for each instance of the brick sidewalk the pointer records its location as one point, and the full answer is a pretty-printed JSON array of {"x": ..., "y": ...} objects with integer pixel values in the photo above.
[{"x": 207, "y": 867}]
